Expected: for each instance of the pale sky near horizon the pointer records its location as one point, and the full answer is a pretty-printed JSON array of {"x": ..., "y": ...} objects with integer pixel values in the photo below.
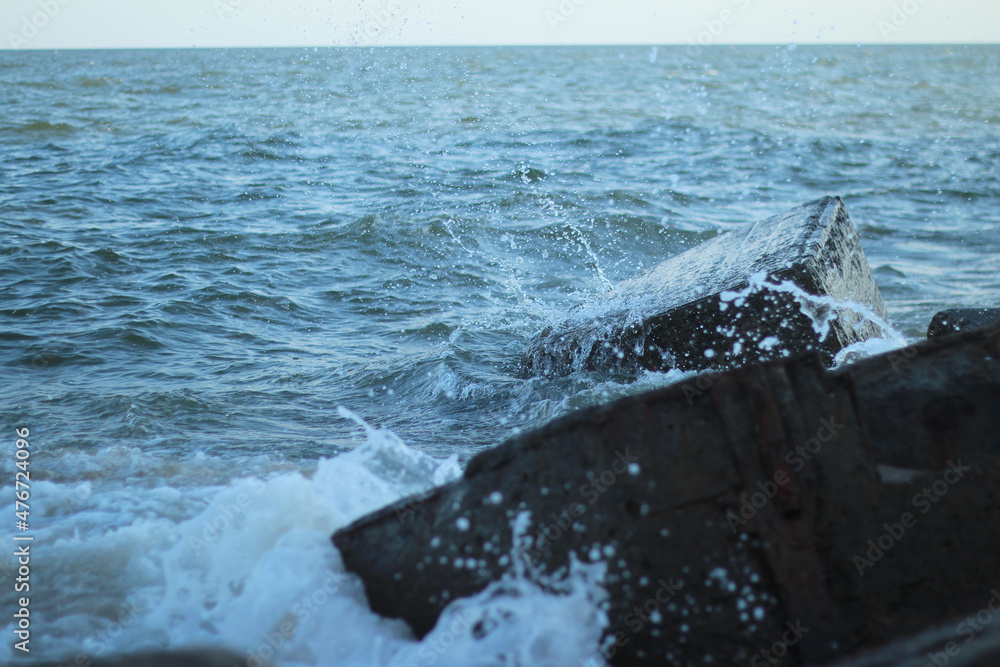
[{"x": 56, "y": 24}]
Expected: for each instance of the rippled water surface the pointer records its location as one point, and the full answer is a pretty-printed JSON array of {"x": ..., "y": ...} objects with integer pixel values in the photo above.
[{"x": 206, "y": 252}]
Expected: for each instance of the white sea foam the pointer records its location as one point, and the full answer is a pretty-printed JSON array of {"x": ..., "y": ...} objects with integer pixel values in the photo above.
[
  {"x": 821, "y": 310},
  {"x": 525, "y": 618},
  {"x": 869, "y": 348},
  {"x": 247, "y": 563}
]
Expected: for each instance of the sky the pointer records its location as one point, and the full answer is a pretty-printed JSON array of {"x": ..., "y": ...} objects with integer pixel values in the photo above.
[{"x": 61, "y": 24}]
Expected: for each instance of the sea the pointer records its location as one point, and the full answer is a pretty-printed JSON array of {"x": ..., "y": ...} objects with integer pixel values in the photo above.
[{"x": 250, "y": 295}]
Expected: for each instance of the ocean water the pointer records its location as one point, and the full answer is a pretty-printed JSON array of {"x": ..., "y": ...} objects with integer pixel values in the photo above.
[{"x": 250, "y": 295}]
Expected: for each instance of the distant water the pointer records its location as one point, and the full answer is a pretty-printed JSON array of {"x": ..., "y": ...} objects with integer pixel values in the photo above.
[{"x": 206, "y": 252}]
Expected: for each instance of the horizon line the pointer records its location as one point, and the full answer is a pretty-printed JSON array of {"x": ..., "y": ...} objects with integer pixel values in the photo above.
[{"x": 788, "y": 44}]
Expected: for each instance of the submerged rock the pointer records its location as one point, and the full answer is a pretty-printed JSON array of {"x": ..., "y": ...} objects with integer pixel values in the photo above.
[
  {"x": 962, "y": 319},
  {"x": 710, "y": 307},
  {"x": 739, "y": 515}
]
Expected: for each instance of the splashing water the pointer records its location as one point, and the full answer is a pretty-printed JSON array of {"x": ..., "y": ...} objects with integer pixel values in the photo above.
[
  {"x": 583, "y": 242},
  {"x": 253, "y": 570},
  {"x": 196, "y": 301},
  {"x": 821, "y": 310},
  {"x": 499, "y": 625}
]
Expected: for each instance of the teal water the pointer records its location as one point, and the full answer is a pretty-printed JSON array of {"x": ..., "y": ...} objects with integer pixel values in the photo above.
[{"x": 206, "y": 252}]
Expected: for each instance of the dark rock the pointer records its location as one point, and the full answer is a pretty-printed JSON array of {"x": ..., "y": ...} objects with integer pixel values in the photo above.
[
  {"x": 669, "y": 316},
  {"x": 738, "y": 506},
  {"x": 962, "y": 319},
  {"x": 960, "y": 643},
  {"x": 932, "y": 402}
]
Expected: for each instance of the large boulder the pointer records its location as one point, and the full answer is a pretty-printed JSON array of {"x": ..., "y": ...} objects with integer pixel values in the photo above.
[
  {"x": 740, "y": 515},
  {"x": 675, "y": 316},
  {"x": 961, "y": 319}
]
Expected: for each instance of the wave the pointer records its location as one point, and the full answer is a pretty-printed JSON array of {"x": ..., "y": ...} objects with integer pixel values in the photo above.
[
  {"x": 42, "y": 128},
  {"x": 194, "y": 553}
]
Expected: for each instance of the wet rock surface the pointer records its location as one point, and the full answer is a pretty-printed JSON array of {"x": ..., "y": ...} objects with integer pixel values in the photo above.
[
  {"x": 962, "y": 319},
  {"x": 932, "y": 402},
  {"x": 965, "y": 641},
  {"x": 732, "y": 511},
  {"x": 669, "y": 316}
]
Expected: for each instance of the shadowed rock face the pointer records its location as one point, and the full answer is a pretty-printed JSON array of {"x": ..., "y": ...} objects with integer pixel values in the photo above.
[
  {"x": 962, "y": 319},
  {"x": 669, "y": 316},
  {"x": 731, "y": 512},
  {"x": 934, "y": 401}
]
